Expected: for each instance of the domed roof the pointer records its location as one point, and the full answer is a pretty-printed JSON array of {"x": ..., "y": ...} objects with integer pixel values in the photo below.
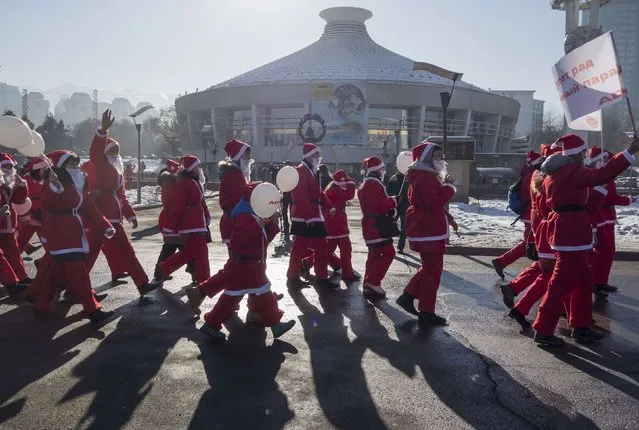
[{"x": 345, "y": 52}]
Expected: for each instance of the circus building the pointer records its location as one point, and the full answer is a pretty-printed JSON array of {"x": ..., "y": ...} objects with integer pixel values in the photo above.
[{"x": 369, "y": 99}]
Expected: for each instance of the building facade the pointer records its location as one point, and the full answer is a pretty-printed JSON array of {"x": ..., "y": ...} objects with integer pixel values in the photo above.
[
  {"x": 370, "y": 99},
  {"x": 530, "y": 121}
]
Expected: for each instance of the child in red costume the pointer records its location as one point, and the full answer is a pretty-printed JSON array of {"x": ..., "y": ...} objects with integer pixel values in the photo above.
[
  {"x": 246, "y": 273},
  {"x": 31, "y": 222},
  {"x": 376, "y": 205}
]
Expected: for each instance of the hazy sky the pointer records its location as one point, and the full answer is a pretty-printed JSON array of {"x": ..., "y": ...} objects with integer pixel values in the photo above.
[{"x": 169, "y": 46}]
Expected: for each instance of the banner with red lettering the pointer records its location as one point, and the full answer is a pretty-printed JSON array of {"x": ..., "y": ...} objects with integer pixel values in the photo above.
[
  {"x": 590, "y": 122},
  {"x": 589, "y": 78}
]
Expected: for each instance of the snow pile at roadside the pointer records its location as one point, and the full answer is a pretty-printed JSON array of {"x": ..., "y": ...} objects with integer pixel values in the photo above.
[{"x": 150, "y": 195}]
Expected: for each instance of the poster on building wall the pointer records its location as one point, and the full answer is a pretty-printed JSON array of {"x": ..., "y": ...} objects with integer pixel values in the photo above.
[{"x": 342, "y": 106}]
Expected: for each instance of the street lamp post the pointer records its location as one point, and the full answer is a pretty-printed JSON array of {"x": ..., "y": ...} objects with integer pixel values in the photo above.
[{"x": 138, "y": 127}]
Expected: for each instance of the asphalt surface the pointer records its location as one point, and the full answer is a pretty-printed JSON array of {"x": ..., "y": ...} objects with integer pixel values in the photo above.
[{"x": 347, "y": 364}]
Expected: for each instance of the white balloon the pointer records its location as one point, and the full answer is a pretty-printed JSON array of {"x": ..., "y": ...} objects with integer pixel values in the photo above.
[
  {"x": 14, "y": 133},
  {"x": 404, "y": 160},
  {"x": 287, "y": 178},
  {"x": 265, "y": 200},
  {"x": 24, "y": 208},
  {"x": 36, "y": 148}
]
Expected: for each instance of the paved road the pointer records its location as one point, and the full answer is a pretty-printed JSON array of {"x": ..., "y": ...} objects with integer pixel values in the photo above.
[{"x": 348, "y": 364}]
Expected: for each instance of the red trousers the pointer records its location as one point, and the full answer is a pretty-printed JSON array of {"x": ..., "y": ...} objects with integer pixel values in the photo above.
[
  {"x": 25, "y": 233},
  {"x": 299, "y": 251},
  {"x": 425, "y": 283},
  {"x": 603, "y": 254},
  {"x": 538, "y": 287},
  {"x": 571, "y": 276},
  {"x": 525, "y": 278},
  {"x": 78, "y": 283},
  {"x": 196, "y": 249},
  {"x": 13, "y": 255},
  {"x": 343, "y": 261},
  {"x": 42, "y": 276},
  {"x": 7, "y": 275},
  {"x": 215, "y": 283},
  {"x": 379, "y": 260},
  {"x": 119, "y": 254},
  {"x": 518, "y": 251}
]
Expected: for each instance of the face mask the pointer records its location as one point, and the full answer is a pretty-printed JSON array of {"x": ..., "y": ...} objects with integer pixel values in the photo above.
[
  {"x": 77, "y": 176},
  {"x": 316, "y": 163},
  {"x": 382, "y": 173},
  {"x": 116, "y": 162},
  {"x": 245, "y": 166},
  {"x": 200, "y": 177}
]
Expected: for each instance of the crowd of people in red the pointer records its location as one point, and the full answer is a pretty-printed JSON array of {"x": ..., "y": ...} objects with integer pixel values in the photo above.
[{"x": 78, "y": 211}]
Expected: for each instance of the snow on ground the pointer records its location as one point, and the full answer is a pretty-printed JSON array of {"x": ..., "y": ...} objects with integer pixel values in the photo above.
[
  {"x": 488, "y": 223},
  {"x": 150, "y": 195}
]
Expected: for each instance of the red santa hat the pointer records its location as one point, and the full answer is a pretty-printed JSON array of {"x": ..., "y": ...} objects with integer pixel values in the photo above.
[
  {"x": 6, "y": 160},
  {"x": 340, "y": 177},
  {"x": 594, "y": 155},
  {"x": 59, "y": 157},
  {"x": 189, "y": 162},
  {"x": 372, "y": 164},
  {"x": 172, "y": 166},
  {"x": 236, "y": 148},
  {"x": 570, "y": 144},
  {"x": 547, "y": 150},
  {"x": 309, "y": 150},
  {"x": 423, "y": 151},
  {"x": 111, "y": 143},
  {"x": 533, "y": 158}
]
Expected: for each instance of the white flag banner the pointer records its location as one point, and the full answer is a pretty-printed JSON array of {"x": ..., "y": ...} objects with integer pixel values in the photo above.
[
  {"x": 589, "y": 78},
  {"x": 590, "y": 122}
]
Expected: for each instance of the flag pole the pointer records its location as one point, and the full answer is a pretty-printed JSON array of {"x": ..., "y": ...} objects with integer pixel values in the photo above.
[{"x": 632, "y": 118}]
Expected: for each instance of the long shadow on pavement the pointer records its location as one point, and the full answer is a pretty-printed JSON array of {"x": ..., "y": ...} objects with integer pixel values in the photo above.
[{"x": 241, "y": 373}]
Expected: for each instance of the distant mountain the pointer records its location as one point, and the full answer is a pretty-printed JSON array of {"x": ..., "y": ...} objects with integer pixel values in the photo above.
[{"x": 134, "y": 96}]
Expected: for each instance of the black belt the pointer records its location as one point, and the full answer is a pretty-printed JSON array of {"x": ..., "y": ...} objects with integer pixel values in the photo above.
[
  {"x": 240, "y": 258},
  {"x": 569, "y": 208},
  {"x": 63, "y": 212},
  {"x": 608, "y": 207},
  {"x": 106, "y": 191}
]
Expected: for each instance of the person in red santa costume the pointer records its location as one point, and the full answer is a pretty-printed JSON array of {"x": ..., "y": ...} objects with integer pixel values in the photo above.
[
  {"x": 235, "y": 175},
  {"x": 188, "y": 216},
  {"x": 13, "y": 190},
  {"x": 308, "y": 221},
  {"x": 65, "y": 198},
  {"x": 172, "y": 241},
  {"x": 245, "y": 272},
  {"x": 570, "y": 235},
  {"x": 30, "y": 223},
  {"x": 604, "y": 251},
  {"x": 107, "y": 189},
  {"x": 533, "y": 162},
  {"x": 427, "y": 228},
  {"x": 376, "y": 206}
]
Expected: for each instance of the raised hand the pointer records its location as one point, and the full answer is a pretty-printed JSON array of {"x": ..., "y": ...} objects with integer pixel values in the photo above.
[
  {"x": 107, "y": 121},
  {"x": 449, "y": 179}
]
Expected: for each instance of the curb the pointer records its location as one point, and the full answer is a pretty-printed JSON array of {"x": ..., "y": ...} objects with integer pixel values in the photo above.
[
  {"x": 495, "y": 252},
  {"x": 159, "y": 205}
]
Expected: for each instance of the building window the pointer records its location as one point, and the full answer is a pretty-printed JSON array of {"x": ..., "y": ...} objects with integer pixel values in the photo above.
[{"x": 280, "y": 125}]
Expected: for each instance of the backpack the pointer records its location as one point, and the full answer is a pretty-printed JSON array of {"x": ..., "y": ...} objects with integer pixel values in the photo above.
[{"x": 515, "y": 203}]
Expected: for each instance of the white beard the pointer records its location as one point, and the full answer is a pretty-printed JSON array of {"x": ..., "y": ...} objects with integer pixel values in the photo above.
[
  {"x": 78, "y": 178},
  {"x": 117, "y": 163},
  {"x": 316, "y": 163},
  {"x": 442, "y": 168},
  {"x": 8, "y": 177},
  {"x": 245, "y": 166},
  {"x": 200, "y": 177}
]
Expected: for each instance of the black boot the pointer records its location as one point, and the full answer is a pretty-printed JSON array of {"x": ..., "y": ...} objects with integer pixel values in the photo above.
[
  {"x": 26, "y": 282},
  {"x": 306, "y": 270},
  {"x": 609, "y": 288},
  {"x": 407, "y": 302},
  {"x": 586, "y": 334},
  {"x": 520, "y": 318},
  {"x": 427, "y": 319},
  {"x": 326, "y": 283},
  {"x": 99, "y": 297},
  {"x": 600, "y": 292},
  {"x": 508, "y": 295},
  {"x": 15, "y": 290},
  {"x": 498, "y": 268},
  {"x": 296, "y": 283},
  {"x": 548, "y": 340},
  {"x": 147, "y": 287},
  {"x": 99, "y": 316}
]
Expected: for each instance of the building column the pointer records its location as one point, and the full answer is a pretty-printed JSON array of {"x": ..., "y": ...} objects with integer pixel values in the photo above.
[
  {"x": 496, "y": 142},
  {"x": 422, "y": 118},
  {"x": 188, "y": 125},
  {"x": 254, "y": 130},
  {"x": 469, "y": 118}
]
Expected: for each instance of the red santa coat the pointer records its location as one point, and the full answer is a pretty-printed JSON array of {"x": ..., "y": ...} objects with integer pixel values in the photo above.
[
  {"x": 246, "y": 269},
  {"x": 167, "y": 197},
  {"x": 608, "y": 211},
  {"x": 373, "y": 202},
  {"x": 425, "y": 217},
  {"x": 307, "y": 197},
  {"x": 540, "y": 226},
  {"x": 188, "y": 213},
  {"x": 63, "y": 224},
  {"x": 103, "y": 177},
  {"x": 233, "y": 186},
  {"x": 596, "y": 198},
  {"x": 337, "y": 225},
  {"x": 569, "y": 230},
  {"x": 16, "y": 194},
  {"x": 35, "y": 191}
]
